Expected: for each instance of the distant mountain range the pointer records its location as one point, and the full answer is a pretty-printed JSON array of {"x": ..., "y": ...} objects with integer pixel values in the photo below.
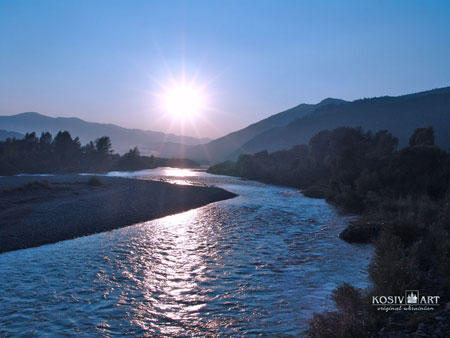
[
  {"x": 400, "y": 115},
  {"x": 222, "y": 147},
  {"x": 123, "y": 139}
]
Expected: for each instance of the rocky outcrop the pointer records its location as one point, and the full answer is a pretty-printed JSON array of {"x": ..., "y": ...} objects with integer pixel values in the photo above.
[{"x": 361, "y": 232}]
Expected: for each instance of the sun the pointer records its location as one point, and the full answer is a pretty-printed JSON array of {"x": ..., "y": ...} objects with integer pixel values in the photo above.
[{"x": 183, "y": 101}]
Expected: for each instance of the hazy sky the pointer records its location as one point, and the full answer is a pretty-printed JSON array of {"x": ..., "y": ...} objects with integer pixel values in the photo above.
[{"x": 107, "y": 61}]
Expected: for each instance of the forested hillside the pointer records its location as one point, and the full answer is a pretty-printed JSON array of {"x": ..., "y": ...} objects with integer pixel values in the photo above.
[{"x": 399, "y": 115}]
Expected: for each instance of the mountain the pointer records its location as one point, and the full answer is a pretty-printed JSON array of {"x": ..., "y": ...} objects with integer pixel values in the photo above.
[
  {"x": 400, "y": 115},
  {"x": 220, "y": 148},
  {"x": 122, "y": 139},
  {"x": 4, "y": 134}
]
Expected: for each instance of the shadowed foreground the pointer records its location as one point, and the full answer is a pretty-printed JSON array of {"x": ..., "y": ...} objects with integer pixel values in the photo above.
[{"x": 40, "y": 212}]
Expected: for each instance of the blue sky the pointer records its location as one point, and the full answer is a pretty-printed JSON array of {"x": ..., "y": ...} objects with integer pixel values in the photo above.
[{"x": 104, "y": 61}]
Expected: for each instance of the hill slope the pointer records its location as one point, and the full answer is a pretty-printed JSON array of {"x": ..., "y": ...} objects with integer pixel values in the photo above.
[
  {"x": 4, "y": 134},
  {"x": 400, "y": 115},
  {"x": 218, "y": 149},
  {"x": 149, "y": 142}
]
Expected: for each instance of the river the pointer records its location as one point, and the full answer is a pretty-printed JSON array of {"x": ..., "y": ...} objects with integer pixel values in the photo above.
[{"x": 256, "y": 265}]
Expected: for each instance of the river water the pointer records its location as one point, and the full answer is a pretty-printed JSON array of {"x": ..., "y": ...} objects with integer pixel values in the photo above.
[{"x": 256, "y": 265}]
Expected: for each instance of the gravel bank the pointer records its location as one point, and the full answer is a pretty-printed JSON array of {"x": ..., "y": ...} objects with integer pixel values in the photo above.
[{"x": 66, "y": 207}]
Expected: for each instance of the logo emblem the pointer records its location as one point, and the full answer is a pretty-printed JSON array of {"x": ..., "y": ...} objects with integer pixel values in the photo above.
[{"x": 412, "y": 296}]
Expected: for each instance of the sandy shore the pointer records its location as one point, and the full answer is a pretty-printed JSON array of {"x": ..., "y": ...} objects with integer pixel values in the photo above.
[{"x": 66, "y": 207}]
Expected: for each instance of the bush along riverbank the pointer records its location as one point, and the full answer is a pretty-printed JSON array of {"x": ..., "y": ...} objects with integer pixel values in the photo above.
[{"x": 403, "y": 197}]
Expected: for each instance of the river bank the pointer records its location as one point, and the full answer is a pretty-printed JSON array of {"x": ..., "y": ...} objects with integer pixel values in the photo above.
[{"x": 44, "y": 210}]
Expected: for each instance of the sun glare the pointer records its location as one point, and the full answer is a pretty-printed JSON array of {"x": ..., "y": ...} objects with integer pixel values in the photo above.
[{"x": 183, "y": 101}]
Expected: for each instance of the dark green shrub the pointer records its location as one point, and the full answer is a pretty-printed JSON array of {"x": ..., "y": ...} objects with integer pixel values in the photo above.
[
  {"x": 354, "y": 316},
  {"x": 94, "y": 181},
  {"x": 395, "y": 267},
  {"x": 30, "y": 186}
]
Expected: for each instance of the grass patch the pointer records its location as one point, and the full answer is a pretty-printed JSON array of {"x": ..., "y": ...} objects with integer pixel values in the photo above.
[{"x": 30, "y": 186}]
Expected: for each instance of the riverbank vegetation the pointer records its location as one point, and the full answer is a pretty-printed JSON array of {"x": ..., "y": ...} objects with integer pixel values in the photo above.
[
  {"x": 64, "y": 154},
  {"x": 402, "y": 193}
]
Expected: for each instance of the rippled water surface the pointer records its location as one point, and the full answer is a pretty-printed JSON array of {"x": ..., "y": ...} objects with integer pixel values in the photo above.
[{"x": 256, "y": 265}]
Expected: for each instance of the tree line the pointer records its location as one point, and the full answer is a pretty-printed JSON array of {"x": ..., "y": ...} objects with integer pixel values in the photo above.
[
  {"x": 352, "y": 168},
  {"x": 64, "y": 154},
  {"x": 404, "y": 192}
]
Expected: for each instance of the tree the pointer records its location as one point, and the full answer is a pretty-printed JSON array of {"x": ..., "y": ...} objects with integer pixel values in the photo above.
[
  {"x": 103, "y": 152},
  {"x": 67, "y": 150},
  {"x": 134, "y": 152},
  {"x": 31, "y": 137},
  {"x": 89, "y": 148},
  {"x": 45, "y": 139},
  {"x": 422, "y": 137},
  {"x": 131, "y": 160},
  {"x": 103, "y": 146}
]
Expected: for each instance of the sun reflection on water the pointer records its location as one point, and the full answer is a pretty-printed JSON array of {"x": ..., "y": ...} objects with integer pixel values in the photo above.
[
  {"x": 178, "y": 176},
  {"x": 177, "y": 172},
  {"x": 169, "y": 277}
]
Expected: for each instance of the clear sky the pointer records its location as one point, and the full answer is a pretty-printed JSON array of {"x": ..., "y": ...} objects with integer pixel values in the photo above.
[{"x": 109, "y": 61}]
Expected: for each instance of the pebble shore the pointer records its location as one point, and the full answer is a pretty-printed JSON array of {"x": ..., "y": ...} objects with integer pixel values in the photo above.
[{"x": 43, "y": 210}]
